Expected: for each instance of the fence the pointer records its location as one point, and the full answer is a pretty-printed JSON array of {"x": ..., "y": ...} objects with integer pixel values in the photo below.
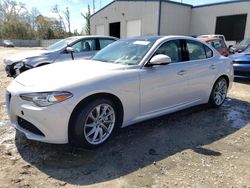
[{"x": 31, "y": 43}]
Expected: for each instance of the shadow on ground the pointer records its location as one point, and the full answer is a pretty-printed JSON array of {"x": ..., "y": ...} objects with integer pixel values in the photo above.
[
  {"x": 139, "y": 145},
  {"x": 242, "y": 80}
]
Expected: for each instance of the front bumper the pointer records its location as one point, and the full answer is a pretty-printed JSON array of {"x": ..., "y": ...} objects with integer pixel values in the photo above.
[
  {"x": 242, "y": 70},
  {"x": 45, "y": 124},
  {"x": 12, "y": 72}
]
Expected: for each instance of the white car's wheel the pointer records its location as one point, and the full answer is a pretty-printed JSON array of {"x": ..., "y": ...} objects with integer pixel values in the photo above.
[
  {"x": 94, "y": 124},
  {"x": 219, "y": 92}
]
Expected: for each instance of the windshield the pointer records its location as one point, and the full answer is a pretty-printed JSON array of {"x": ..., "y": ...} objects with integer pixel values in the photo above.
[
  {"x": 245, "y": 42},
  {"x": 247, "y": 50},
  {"x": 127, "y": 52},
  {"x": 60, "y": 44}
]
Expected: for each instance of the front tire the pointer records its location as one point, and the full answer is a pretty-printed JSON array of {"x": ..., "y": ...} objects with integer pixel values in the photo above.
[
  {"x": 219, "y": 93},
  {"x": 94, "y": 124}
]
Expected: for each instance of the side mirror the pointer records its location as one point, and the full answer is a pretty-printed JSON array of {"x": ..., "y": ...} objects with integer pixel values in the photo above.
[
  {"x": 70, "y": 50},
  {"x": 160, "y": 60}
]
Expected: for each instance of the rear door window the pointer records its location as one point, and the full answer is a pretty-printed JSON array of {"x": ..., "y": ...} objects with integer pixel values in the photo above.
[
  {"x": 209, "y": 52},
  {"x": 84, "y": 45},
  {"x": 196, "y": 50}
]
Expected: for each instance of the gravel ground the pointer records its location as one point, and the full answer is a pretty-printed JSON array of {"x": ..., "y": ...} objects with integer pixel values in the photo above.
[{"x": 197, "y": 147}]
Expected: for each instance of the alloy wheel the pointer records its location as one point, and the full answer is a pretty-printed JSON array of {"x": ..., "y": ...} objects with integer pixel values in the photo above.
[
  {"x": 99, "y": 124},
  {"x": 220, "y": 92}
]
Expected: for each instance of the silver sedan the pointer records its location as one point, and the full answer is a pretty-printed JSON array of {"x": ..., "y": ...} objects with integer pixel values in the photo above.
[
  {"x": 77, "y": 47},
  {"x": 127, "y": 82}
]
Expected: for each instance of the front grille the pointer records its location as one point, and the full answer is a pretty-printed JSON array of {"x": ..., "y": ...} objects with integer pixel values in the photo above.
[
  {"x": 241, "y": 73},
  {"x": 241, "y": 62},
  {"x": 10, "y": 70},
  {"x": 29, "y": 126},
  {"x": 8, "y": 98}
]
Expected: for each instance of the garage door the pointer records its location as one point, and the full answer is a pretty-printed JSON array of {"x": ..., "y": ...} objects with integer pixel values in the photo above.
[
  {"x": 99, "y": 30},
  {"x": 232, "y": 27},
  {"x": 133, "y": 28}
]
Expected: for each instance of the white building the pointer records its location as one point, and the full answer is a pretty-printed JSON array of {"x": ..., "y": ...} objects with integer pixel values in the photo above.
[{"x": 128, "y": 18}]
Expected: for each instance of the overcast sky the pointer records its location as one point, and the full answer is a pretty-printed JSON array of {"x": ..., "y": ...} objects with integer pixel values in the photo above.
[{"x": 77, "y": 6}]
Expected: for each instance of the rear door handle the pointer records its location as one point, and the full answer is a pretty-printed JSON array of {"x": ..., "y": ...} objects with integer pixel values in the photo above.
[
  {"x": 212, "y": 67},
  {"x": 181, "y": 73}
]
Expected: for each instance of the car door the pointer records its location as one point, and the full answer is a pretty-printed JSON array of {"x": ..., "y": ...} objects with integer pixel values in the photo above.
[
  {"x": 201, "y": 71},
  {"x": 85, "y": 48},
  {"x": 163, "y": 87}
]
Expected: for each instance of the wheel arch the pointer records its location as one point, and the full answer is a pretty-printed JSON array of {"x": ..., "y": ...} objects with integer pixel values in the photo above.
[
  {"x": 220, "y": 76},
  {"x": 42, "y": 64},
  {"x": 223, "y": 76},
  {"x": 109, "y": 96}
]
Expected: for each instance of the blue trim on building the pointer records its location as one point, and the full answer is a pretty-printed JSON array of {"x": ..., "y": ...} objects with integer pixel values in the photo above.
[
  {"x": 221, "y": 3},
  {"x": 102, "y": 8},
  {"x": 177, "y": 3},
  {"x": 167, "y": 1}
]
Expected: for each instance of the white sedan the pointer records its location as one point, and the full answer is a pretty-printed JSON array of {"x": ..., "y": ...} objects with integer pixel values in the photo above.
[{"x": 127, "y": 82}]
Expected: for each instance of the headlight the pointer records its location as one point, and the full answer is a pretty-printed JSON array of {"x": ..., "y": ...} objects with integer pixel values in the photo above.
[
  {"x": 20, "y": 64},
  {"x": 46, "y": 98}
]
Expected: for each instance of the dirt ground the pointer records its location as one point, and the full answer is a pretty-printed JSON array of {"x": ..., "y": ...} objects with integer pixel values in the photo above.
[{"x": 198, "y": 147}]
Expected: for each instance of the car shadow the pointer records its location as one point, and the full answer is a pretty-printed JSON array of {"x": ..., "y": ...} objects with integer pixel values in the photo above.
[
  {"x": 242, "y": 80},
  {"x": 138, "y": 146}
]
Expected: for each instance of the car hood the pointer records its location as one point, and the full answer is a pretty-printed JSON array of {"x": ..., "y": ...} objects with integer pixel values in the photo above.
[
  {"x": 21, "y": 56},
  {"x": 63, "y": 74}
]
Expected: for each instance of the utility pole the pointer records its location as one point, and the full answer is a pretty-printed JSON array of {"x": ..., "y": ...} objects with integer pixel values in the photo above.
[{"x": 93, "y": 6}]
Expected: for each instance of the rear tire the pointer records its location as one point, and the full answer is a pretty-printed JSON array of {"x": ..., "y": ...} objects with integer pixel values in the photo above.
[
  {"x": 219, "y": 93},
  {"x": 93, "y": 124}
]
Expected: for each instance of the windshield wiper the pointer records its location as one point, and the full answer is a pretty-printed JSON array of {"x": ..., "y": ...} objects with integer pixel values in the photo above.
[{"x": 102, "y": 60}]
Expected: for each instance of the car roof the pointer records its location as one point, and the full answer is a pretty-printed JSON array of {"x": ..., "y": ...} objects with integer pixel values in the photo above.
[
  {"x": 159, "y": 37},
  {"x": 92, "y": 36}
]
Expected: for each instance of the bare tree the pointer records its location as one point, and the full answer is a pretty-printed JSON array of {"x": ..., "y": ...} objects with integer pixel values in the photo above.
[
  {"x": 33, "y": 15},
  {"x": 56, "y": 10},
  {"x": 67, "y": 17},
  {"x": 86, "y": 16}
]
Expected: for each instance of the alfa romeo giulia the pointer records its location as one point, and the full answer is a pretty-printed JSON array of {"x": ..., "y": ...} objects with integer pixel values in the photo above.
[{"x": 129, "y": 81}]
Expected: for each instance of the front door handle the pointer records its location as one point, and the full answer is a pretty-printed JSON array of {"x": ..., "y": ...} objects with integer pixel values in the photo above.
[
  {"x": 212, "y": 67},
  {"x": 181, "y": 73}
]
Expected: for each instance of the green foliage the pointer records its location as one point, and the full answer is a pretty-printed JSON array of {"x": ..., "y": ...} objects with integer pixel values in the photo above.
[{"x": 16, "y": 22}]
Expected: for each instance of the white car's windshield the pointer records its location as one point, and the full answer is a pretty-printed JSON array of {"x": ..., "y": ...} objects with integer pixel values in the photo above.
[
  {"x": 60, "y": 44},
  {"x": 247, "y": 50},
  {"x": 245, "y": 42},
  {"x": 127, "y": 52}
]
